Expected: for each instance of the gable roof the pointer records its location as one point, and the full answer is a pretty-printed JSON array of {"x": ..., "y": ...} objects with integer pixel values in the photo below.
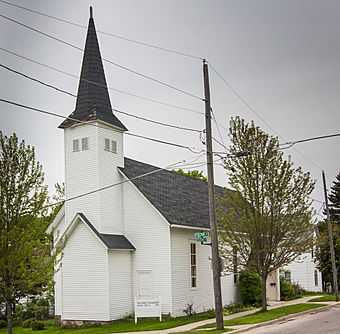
[
  {"x": 93, "y": 100},
  {"x": 181, "y": 199},
  {"x": 111, "y": 241}
]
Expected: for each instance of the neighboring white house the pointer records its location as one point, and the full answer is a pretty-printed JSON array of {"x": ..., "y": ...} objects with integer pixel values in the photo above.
[
  {"x": 132, "y": 234},
  {"x": 304, "y": 272}
]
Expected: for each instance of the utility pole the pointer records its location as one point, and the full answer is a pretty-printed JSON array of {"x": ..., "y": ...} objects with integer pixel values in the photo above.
[
  {"x": 331, "y": 245},
  {"x": 212, "y": 216}
]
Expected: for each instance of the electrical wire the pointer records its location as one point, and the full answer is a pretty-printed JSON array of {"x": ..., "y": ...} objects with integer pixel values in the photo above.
[
  {"x": 103, "y": 32},
  {"x": 111, "y": 109},
  {"x": 110, "y": 186},
  {"x": 219, "y": 132},
  {"x": 263, "y": 120},
  {"x": 243, "y": 100},
  {"x": 95, "y": 83},
  {"x": 192, "y": 149},
  {"x": 104, "y": 59},
  {"x": 290, "y": 144},
  {"x": 179, "y": 164}
]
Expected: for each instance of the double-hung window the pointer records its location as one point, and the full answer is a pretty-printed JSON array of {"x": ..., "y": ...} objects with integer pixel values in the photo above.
[{"x": 193, "y": 266}]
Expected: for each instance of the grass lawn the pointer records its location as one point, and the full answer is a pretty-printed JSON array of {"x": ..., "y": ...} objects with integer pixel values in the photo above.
[
  {"x": 260, "y": 316},
  {"x": 118, "y": 326},
  {"x": 325, "y": 298}
]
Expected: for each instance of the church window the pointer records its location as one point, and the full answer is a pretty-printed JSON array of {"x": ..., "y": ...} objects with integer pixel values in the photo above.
[
  {"x": 193, "y": 269},
  {"x": 85, "y": 143},
  {"x": 75, "y": 145},
  {"x": 113, "y": 146},
  {"x": 110, "y": 145},
  {"x": 107, "y": 144}
]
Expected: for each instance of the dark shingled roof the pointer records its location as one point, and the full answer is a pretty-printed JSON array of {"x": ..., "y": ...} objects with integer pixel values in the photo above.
[
  {"x": 93, "y": 100},
  {"x": 181, "y": 199},
  {"x": 111, "y": 241}
]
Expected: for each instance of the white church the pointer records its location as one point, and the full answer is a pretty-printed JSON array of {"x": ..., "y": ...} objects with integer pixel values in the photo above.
[{"x": 135, "y": 237}]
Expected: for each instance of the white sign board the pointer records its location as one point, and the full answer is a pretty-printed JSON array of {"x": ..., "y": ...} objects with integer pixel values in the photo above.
[{"x": 148, "y": 308}]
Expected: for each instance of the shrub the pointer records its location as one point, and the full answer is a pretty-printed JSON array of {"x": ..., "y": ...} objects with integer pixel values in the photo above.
[
  {"x": 298, "y": 290},
  {"x": 250, "y": 288},
  {"x": 286, "y": 290},
  {"x": 27, "y": 323},
  {"x": 3, "y": 324},
  {"x": 35, "y": 307},
  {"x": 37, "y": 325}
]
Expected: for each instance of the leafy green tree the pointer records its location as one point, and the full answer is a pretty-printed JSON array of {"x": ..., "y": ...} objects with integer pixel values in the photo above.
[
  {"x": 323, "y": 252},
  {"x": 268, "y": 216},
  {"x": 192, "y": 173},
  {"x": 26, "y": 262}
]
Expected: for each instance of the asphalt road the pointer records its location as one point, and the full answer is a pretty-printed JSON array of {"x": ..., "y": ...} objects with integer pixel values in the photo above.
[{"x": 325, "y": 322}]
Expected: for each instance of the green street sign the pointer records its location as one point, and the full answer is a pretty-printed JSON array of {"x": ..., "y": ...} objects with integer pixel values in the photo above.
[{"x": 201, "y": 236}]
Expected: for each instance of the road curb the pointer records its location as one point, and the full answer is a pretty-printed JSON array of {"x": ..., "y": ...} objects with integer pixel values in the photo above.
[{"x": 275, "y": 321}]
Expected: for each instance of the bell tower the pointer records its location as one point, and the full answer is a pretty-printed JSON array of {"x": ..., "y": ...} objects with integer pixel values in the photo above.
[{"x": 93, "y": 144}]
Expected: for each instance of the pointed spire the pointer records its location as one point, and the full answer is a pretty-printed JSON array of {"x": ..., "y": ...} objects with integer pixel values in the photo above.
[{"x": 93, "y": 100}]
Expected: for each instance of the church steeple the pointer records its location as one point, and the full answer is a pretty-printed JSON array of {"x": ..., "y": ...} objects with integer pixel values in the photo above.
[{"x": 93, "y": 100}]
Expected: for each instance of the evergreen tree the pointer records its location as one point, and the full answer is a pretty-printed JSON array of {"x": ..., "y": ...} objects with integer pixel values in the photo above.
[{"x": 323, "y": 252}]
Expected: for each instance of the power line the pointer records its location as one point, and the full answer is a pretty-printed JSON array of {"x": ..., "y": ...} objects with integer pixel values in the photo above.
[
  {"x": 177, "y": 164},
  {"x": 243, "y": 100},
  {"x": 95, "y": 83},
  {"x": 254, "y": 111},
  {"x": 290, "y": 144},
  {"x": 192, "y": 149},
  {"x": 218, "y": 130},
  {"x": 109, "y": 186},
  {"x": 111, "y": 109},
  {"x": 105, "y": 33},
  {"x": 104, "y": 59}
]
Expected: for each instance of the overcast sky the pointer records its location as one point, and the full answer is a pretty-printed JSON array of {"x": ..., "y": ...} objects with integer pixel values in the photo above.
[{"x": 282, "y": 57}]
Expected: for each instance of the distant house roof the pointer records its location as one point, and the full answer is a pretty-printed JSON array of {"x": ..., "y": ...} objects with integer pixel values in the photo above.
[
  {"x": 181, "y": 199},
  {"x": 93, "y": 100},
  {"x": 111, "y": 241}
]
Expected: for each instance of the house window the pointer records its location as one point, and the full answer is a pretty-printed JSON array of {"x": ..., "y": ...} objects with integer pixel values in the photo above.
[
  {"x": 75, "y": 145},
  {"x": 288, "y": 276},
  {"x": 110, "y": 145},
  {"x": 316, "y": 278},
  {"x": 193, "y": 269},
  {"x": 85, "y": 143}
]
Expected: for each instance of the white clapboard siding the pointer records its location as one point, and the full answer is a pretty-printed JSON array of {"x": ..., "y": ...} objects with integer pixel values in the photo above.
[
  {"x": 110, "y": 200},
  {"x": 230, "y": 290},
  {"x": 120, "y": 284},
  {"x": 57, "y": 293},
  {"x": 85, "y": 293},
  {"x": 182, "y": 293},
  {"x": 303, "y": 270},
  {"x": 92, "y": 169},
  {"x": 81, "y": 170},
  {"x": 202, "y": 296},
  {"x": 149, "y": 233}
]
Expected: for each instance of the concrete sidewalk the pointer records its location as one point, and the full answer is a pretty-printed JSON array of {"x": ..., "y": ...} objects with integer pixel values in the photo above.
[{"x": 242, "y": 328}]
